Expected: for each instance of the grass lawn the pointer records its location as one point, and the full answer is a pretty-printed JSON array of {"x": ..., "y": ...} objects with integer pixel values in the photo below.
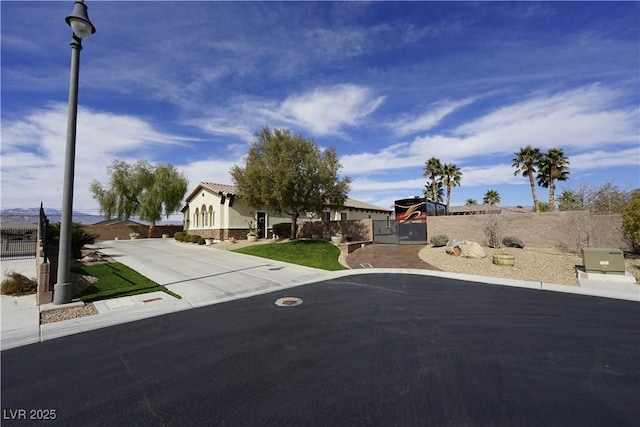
[
  {"x": 116, "y": 280},
  {"x": 310, "y": 253}
]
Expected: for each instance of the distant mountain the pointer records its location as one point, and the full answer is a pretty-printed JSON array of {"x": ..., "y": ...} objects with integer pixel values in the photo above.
[{"x": 31, "y": 215}]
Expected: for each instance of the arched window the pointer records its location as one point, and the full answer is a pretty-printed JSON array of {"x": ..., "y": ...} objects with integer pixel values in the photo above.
[
  {"x": 211, "y": 216},
  {"x": 203, "y": 214},
  {"x": 196, "y": 217}
]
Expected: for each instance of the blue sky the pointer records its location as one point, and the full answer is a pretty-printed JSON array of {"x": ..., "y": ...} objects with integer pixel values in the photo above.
[{"x": 388, "y": 84}]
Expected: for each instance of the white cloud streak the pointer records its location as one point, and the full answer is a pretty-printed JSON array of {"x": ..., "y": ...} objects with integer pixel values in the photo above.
[
  {"x": 33, "y": 153},
  {"x": 428, "y": 120},
  {"x": 577, "y": 120},
  {"x": 319, "y": 112},
  {"x": 326, "y": 111}
]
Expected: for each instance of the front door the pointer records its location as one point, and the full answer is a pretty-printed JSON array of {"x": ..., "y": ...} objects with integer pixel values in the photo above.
[{"x": 262, "y": 225}]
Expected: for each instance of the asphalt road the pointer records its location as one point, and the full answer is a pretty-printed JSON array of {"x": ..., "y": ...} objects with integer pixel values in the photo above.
[{"x": 387, "y": 349}]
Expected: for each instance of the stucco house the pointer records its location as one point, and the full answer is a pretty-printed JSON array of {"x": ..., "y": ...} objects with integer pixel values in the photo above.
[{"x": 217, "y": 211}]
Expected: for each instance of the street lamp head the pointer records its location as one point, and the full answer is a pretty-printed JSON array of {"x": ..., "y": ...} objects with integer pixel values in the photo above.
[{"x": 79, "y": 21}]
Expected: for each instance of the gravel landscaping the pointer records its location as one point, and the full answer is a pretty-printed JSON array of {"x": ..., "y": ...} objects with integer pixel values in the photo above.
[
  {"x": 548, "y": 265},
  {"x": 51, "y": 316}
]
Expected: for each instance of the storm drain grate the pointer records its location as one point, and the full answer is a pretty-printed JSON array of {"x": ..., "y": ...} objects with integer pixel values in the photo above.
[
  {"x": 366, "y": 265},
  {"x": 288, "y": 302}
]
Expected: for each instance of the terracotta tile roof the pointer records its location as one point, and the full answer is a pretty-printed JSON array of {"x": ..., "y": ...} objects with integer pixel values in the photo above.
[
  {"x": 223, "y": 189},
  {"x": 220, "y": 188},
  {"x": 231, "y": 190}
]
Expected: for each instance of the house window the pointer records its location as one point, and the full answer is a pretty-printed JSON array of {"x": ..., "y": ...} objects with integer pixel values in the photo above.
[
  {"x": 196, "y": 217},
  {"x": 203, "y": 214},
  {"x": 326, "y": 216},
  {"x": 211, "y": 216},
  {"x": 343, "y": 216}
]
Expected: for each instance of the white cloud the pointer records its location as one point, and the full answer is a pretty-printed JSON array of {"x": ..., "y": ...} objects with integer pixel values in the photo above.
[
  {"x": 326, "y": 111},
  {"x": 319, "y": 112},
  {"x": 603, "y": 159},
  {"x": 220, "y": 126},
  {"x": 578, "y": 120},
  {"x": 367, "y": 184},
  {"x": 472, "y": 177},
  {"x": 429, "y": 119},
  {"x": 209, "y": 171},
  {"x": 33, "y": 153},
  {"x": 335, "y": 44},
  {"x": 499, "y": 174}
]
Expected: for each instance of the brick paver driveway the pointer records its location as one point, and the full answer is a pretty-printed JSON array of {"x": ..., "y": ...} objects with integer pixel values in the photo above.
[{"x": 388, "y": 256}]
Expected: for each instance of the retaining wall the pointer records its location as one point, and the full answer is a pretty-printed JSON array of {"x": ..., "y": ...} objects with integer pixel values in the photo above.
[{"x": 571, "y": 230}]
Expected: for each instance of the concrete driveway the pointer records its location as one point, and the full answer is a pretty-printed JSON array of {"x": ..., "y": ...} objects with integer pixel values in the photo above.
[{"x": 203, "y": 275}]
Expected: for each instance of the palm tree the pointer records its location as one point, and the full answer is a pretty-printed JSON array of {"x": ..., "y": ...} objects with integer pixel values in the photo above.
[
  {"x": 491, "y": 197},
  {"x": 451, "y": 177},
  {"x": 470, "y": 202},
  {"x": 433, "y": 171},
  {"x": 553, "y": 166},
  {"x": 439, "y": 196},
  {"x": 526, "y": 161}
]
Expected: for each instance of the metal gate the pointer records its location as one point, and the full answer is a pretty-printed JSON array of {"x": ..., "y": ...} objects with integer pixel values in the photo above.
[
  {"x": 403, "y": 233},
  {"x": 18, "y": 242}
]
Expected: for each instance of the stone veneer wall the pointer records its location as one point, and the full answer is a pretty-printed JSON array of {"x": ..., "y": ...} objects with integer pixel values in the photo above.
[
  {"x": 238, "y": 234},
  {"x": 571, "y": 230},
  {"x": 44, "y": 291}
]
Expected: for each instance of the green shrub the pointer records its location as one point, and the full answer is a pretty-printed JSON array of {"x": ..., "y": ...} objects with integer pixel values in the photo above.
[
  {"x": 631, "y": 221},
  {"x": 179, "y": 236},
  {"x": 79, "y": 237},
  {"x": 200, "y": 240},
  {"x": 512, "y": 242},
  {"x": 282, "y": 230},
  {"x": 193, "y": 238},
  {"x": 16, "y": 284},
  {"x": 439, "y": 240}
]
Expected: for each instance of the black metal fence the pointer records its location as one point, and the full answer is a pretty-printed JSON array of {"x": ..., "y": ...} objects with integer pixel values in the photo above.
[
  {"x": 19, "y": 238},
  {"x": 18, "y": 242},
  {"x": 397, "y": 232},
  {"x": 43, "y": 223}
]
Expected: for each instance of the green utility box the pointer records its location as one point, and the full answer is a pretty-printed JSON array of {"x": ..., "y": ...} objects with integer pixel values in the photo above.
[{"x": 603, "y": 260}]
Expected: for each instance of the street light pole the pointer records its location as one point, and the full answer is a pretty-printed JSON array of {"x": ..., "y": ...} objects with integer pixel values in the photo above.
[{"x": 82, "y": 28}]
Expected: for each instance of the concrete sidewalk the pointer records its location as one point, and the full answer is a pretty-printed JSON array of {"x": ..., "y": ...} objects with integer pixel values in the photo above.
[
  {"x": 203, "y": 276},
  {"x": 200, "y": 275},
  {"x": 19, "y": 316}
]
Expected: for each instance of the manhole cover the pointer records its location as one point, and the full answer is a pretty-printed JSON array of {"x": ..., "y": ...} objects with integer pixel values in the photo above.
[{"x": 288, "y": 302}]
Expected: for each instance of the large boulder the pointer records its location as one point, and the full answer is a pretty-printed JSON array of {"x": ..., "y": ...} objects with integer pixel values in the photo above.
[{"x": 465, "y": 248}]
